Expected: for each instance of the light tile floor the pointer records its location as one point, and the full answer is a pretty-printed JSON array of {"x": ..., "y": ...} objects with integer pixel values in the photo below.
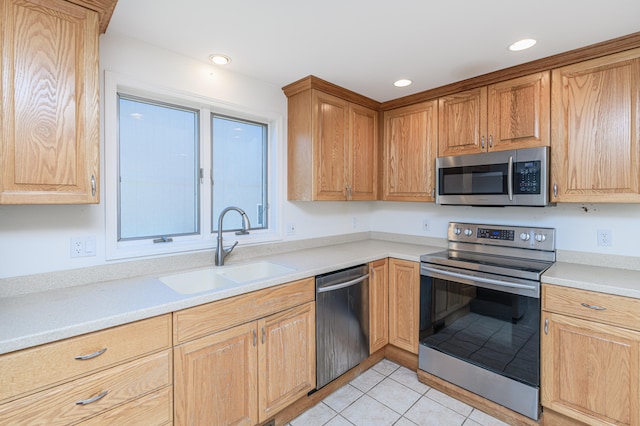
[{"x": 388, "y": 394}]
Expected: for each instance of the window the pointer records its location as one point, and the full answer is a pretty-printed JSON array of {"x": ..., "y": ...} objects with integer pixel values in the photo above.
[
  {"x": 239, "y": 171},
  {"x": 174, "y": 161},
  {"x": 158, "y": 181}
]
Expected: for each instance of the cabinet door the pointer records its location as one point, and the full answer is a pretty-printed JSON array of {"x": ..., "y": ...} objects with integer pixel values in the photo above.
[
  {"x": 330, "y": 146},
  {"x": 595, "y": 141},
  {"x": 378, "y": 305},
  {"x": 590, "y": 370},
  {"x": 363, "y": 143},
  {"x": 518, "y": 115},
  {"x": 404, "y": 304},
  {"x": 287, "y": 358},
  {"x": 409, "y": 152},
  {"x": 50, "y": 112},
  {"x": 216, "y": 379},
  {"x": 462, "y": 123}
]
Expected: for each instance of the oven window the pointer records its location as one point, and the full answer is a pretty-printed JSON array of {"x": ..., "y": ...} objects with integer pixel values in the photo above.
[{"x": 495, "y": 330}]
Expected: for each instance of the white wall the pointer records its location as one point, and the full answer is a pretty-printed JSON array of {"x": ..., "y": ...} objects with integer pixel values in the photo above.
[
  {"x": 35, "y": 239},
  {"x": 576, "y": 224}
]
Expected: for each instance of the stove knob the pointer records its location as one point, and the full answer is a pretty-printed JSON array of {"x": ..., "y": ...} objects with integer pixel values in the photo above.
[
  {"x": 525, "y": 236},
  {"x": 457, "y": 231},
  {"x": 540, "y": 237},
  {"x": 468, "y": 232}
]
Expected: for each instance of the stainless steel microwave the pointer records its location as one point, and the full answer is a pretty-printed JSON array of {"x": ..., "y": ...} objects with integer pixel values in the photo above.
[{"x": 504, "y": 178}]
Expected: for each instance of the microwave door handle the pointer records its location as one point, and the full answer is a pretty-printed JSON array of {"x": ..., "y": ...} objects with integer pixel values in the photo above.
[{"x": 510, "y": 178}]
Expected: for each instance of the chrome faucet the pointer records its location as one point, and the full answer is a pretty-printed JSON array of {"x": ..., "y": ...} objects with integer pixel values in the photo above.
[{"x": 221, "y": 252}]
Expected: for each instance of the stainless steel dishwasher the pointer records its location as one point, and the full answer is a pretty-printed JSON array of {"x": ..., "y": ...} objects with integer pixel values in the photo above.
[{"x": 342, "y": 322}]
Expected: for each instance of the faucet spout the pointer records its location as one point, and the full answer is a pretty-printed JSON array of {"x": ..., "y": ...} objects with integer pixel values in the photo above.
[{"x": 221, "y": 252}]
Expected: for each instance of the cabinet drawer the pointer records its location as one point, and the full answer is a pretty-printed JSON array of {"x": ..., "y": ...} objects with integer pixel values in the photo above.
[
  {"x": 154, "y": 409},
  {"x": 202, "y": 320},
  {"x": 59, "y": 405},
  {"x": 34, "y": 369},
  {"x": 601, "y": 307}
]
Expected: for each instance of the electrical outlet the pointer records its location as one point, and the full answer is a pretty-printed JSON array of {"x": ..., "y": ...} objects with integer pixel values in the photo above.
[
  {"x": 425, "y": 224},
  {"x": 83, "y": 246},
  {"x": 290, "y": 229},
  {"x": 605, "y": 237}
]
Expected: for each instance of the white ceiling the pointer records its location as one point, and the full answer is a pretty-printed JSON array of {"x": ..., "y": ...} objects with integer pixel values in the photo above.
[{"x": 365, "y": 45}]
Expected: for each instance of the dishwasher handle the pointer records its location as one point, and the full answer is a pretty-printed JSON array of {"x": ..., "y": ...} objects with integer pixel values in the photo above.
[{"x": 342, "y": 285}]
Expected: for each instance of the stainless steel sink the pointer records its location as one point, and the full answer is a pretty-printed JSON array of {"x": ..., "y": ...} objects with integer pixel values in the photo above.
[{"x": 219, "y": 278}]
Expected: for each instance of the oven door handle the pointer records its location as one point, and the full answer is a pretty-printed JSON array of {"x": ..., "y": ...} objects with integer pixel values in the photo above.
[{"x": 477, "y": 279}]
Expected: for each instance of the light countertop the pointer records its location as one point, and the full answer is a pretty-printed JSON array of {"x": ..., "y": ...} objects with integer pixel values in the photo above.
[
  {"x": 46, "y": 316},
  {"x": 42, "y": 317}
]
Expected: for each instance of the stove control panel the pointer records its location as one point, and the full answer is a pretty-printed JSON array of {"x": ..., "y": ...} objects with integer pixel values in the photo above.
[{"x": 503, "y": 235}]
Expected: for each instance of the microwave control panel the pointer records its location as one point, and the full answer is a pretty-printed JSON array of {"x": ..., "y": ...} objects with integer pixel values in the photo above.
[{"x": 527, "y": 177}]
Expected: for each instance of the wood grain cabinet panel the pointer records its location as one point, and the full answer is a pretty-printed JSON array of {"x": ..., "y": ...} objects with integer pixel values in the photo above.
[
  {"x": 378, "y": 305},
  {"x": 332, "y": 143},
  {"x": 50, "y": 142},
  {"x": 590, "y": 370},
  {"x": 286, "y": 358},
  {"x": 29, "y": 370},
  {"x": 595, "y": 147},
  {"x": 248, "y": 372},
  {"x": 512, "y": 114},
  {"x": 404, "y": 304},
  {"x": 92, "y": 395},
  {"x": 409, "y": 152}
]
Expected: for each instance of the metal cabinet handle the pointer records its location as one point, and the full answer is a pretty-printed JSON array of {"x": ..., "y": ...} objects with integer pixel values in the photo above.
[
  {"x": 264, "y": 336},
  {"x": 555, "y": 189},
  {"x": 490, "y": 141},
  {"x": 546, "y": 326},
  {"x": 255, "y": 338},
  {"x": 594, "y": 307},
  {"x": 90, "y": 356},
  {"x": 94, "y": 399},
  {"x": 482, "y": 142},
  {"x": 93, "y": 186}
]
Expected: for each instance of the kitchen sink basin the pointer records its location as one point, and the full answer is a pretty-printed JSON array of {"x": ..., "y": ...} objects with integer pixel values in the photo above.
[
  {"x": 218, "y": 278},
  {"x": 254, "y": 271}
]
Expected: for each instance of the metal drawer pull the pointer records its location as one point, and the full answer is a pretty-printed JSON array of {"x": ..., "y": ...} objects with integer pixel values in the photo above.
[
  {"x": 94, "y": 399},
  {"x": 597, "y": 308},
  {"x": 546, "y": 326},
  {"x": 93, "y": 355}
]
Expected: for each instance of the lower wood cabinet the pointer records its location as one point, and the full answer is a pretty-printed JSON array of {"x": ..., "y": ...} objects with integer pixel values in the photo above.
[
  {"x": 404, "y": 304},
  {"x": 121, "y": 373},
  {"x": 247, "y": 373},
  {"x": 378, "y": 305},
  {"x": 590, "y": 355}
]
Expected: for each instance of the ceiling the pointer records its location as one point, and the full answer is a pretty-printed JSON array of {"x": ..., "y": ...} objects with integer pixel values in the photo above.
[{"x": 366, "y": 45}]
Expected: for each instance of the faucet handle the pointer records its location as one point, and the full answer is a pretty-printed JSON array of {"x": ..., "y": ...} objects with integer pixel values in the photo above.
[{"x": 230, "y": 249}]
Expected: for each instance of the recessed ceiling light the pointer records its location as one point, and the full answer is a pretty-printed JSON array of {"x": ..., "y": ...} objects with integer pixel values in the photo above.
[
  {"x": 522, "y": 44},
  {"x": 402, "y": 83},
  {"x": 219, "y": 59}
]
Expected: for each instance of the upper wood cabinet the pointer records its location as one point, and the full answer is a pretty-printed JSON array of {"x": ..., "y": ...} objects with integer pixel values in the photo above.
[
  {"x": 409, "y": 152},
  {"x": 49, "y": 145},
  {"x": 332, "y": 143},
  {"x": 507, "y": 115},
  {"x": 595, "y": 145}
]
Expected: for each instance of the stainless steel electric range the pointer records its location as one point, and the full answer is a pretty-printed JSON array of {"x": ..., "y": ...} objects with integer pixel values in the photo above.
[{"x": 480, "y": 311}]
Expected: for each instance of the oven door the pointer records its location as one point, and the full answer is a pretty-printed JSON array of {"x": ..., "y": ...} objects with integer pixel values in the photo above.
[
  {"x": 482, "y": 334},
  {"x": 493, "y": 324}
]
